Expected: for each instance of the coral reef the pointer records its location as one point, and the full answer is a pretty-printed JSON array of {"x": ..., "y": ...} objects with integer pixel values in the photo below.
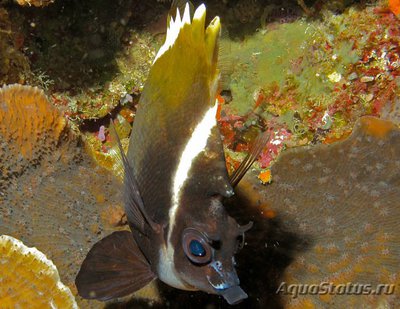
[
  {"x": 342, "y": 200},
  {"x": 394, "y": 6},
  {"x": 304, "y": 97},
  {"x": 29, "y": 279},
  {"x": 309, "y": 81},
  {"x": 53, "y": 196},
  {"x": 29, "y": 129}
]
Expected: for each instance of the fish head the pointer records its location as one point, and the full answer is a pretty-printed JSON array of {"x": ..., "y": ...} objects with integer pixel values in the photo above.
[{"x": 205, "y": 256}]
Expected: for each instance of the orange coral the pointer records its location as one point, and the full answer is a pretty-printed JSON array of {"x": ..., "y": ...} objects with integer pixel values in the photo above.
[
  {"x": 51, "y": 192},
  {"x": 394, "y": 6},
  {"x": 377, "y": 127},
  {"x": 25, "y": 116},
  {"x": 29, "y": 279},
  {"x": 30, "y": 128},
  {"x": 265, "y": 176}
]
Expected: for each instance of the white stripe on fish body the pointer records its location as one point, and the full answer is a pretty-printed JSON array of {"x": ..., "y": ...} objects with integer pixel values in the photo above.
[
  {"x": 166, "y": 270},
  {"x": 176, "y": 25},
  {"x": 196, "y": 144}
]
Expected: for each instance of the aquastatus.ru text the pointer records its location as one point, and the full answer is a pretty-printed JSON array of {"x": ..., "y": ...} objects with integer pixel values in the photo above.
[{"x": 329, "y": 288}]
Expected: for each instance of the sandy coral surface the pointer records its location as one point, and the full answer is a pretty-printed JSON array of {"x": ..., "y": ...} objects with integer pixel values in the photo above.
[{"x": 344, "y": 212}]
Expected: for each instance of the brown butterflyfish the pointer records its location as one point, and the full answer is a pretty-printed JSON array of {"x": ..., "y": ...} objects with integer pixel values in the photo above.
[{"x": 175, "y": 179}]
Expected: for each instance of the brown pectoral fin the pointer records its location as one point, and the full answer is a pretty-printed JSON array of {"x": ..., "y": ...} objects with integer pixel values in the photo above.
[{"x": 114, "y": 267}]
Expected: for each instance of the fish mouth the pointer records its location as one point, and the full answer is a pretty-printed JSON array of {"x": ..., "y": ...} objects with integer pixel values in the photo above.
[{"x": 233, "y": 294}]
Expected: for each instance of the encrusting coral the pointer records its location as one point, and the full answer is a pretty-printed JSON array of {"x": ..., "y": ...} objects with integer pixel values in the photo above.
[
  {"x": 29, "y": 129},
  {"x": 52, "y": 196},
  {"x": 29, "y": 279},
  {"x": 342, "y": 201}
]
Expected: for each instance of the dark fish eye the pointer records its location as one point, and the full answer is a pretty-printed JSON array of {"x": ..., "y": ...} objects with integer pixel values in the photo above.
[{"x": 196, "y": 247}]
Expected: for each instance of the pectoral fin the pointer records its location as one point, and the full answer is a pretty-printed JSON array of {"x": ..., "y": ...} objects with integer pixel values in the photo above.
[
  {"x": 255, "y": 150},
  {"x": 114, "y": 267}
]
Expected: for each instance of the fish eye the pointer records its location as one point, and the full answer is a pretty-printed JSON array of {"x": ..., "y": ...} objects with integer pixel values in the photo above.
[{"x": 196, "y": 247}]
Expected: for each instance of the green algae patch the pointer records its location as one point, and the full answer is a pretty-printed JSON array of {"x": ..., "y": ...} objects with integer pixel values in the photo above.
[
  {"x": 288, "y": 55},
  {"x": 263, "y": 59}
]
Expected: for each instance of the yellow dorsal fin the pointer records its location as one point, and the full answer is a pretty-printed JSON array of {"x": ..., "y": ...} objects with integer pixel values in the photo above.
[
  {"x": 189, "y": 49},
  {"x": 180, "y": 92},
  {"x": 179, "y": 6}
]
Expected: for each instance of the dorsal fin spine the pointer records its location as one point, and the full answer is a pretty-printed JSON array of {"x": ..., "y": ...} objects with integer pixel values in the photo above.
[{"x": 174, "y": 27}]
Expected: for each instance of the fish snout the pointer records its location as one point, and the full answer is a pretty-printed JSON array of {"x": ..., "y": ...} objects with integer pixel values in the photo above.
[
  {"x": 226, "y": 282},
  {"x": 234, "y": 295}
]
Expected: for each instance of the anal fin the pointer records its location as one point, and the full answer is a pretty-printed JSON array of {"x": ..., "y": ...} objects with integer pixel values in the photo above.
[{"x": 114, "y": 267}]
